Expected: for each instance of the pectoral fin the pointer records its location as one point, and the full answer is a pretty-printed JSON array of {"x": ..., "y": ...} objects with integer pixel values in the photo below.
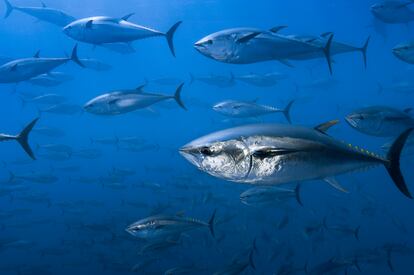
[
  {"x": 247, "y": 37},
  {"x": 277, "y": 29},
  {"x": 270, "y": 152},
  {"x": 286, "y": 63},
  {"x": 335, "y": 184}
]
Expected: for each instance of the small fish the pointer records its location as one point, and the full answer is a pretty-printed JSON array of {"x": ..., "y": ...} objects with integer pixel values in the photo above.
[
  {"x": 37, "y": 178},
  {"x": 160, "y": 226},
  {"x": 393, "y": 11},
  {"x": 87, "y": 153},
  {"x": 45, "y": 99},
  {"x": 43, "y": 13},
  {"x": 63, "y": 109},
  {"x": 269, "y": 195},
  {"x": 380, "y": 121},
  {"x": 59, "y": 148},
  {"x": 245, "y": 109},
  {"x": 261, "y": 80},
  {"x": 26, "y": 68},
  {"x": 50, "y": 79},
  {"x": 48, "y": 131},
  {"x": 405, "y": 52},
  {"x": 342, "y": 229},
  {"x": 215, "y": 80},
  {"x": 95, "y": 64}
]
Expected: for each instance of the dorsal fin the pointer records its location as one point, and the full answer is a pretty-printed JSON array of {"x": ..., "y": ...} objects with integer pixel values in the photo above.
[
  {"x": 326, "y": 34},
  {"x": 140, "y": 88},
  {"x": 276, "y": 29},
  {"x": 89, "y": 24},
  {"x": 13, "y": 68},
  {"x": 37, "y": 54},
  {"x": 408, "y": 110},
  {"x": 126, "y": 17},
  {"x": 43, "y": 4},
  {"x": 180, "y": 213},
  {"x": 247, "y": 37},
  {"x": 325, "y": 126}
]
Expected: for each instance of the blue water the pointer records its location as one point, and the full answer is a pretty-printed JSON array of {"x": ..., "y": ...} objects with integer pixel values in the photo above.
[{"x": 76, "y": 222}]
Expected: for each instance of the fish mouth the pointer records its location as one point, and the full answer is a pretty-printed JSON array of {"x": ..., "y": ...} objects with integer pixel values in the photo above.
[
  {"x": 351, "y": 121},
  {"x": 198, "y": 46},
  {"x": 191, "y": 154}
]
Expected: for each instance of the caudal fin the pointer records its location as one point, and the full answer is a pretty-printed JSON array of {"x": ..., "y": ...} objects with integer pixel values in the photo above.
[
  {"x": 393, "y": 162},
  {"x": 9, "y": 8},
  {"x": 74, "y": 57},
  {"x": 356, "y": 233},
  {"x": 211, "y": 223},
  {"x": 363, "y": 50},
  {"x": 297, "y": 194},
  {"x": 23, "y": 138},
  {"x": 177, "y": 96},
  {"x": 286, "y": 111},
  {"x": 170, "y": 36},
  {"x": 327, "y": 52}
]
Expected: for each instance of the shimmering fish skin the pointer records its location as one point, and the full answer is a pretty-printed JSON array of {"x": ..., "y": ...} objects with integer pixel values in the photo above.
[
  {"x": 275, "y": 154},
  {"x": 381, "y": 121},
  {"x": 225, "y": 46},
  {"x": 162, "y": 226},
  {"x": 393, "y": 11},
  {"x": 405, "y": 52}
]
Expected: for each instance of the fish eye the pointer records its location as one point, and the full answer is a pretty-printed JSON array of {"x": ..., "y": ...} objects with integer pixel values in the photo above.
[{"x": 206, "y": 151}]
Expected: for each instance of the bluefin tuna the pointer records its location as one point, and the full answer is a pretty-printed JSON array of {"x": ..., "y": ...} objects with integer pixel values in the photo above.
[
  {"x": 162, "y": 226},
  {"x": 100, "y": 30},
  {"x": 405, "y": 52},
  {"x": 393, "y": 11},
  {"x": 244, "y": 109},
  {"x": 380, "y": 121},
  {"x": 250, "y": 45},
  {"x": 125, "y": 101},
  {"x": 43, "y": 13},
  {"x": 26, "y": 68},
  {"x": 271, "y": 154}
]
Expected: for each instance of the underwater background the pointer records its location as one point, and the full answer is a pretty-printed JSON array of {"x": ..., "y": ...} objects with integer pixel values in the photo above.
[{"x": 66, "y": 212}]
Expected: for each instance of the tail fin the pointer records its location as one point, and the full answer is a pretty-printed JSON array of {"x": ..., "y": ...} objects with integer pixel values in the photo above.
[
  {"x": 363, "y": 50},
  {"x": 177, "y": 96},
  {"x": 327, "y": 52},
  {"x": 324, "y": 223},
  {"x": 192, "y": 78},
  {"x": 251, "y": 262},
  {"x": 356, "y": 232},
  {"x": 393, "y": 162},
  {"x": 380, "y": 88},
  {"x": 297, "y": 194},
  {"x": 9, "y": 8},
  {"x": 286, "y": 111},
  {"x": 74, "y": 57},
  {"x": 170, "y": 36},
  {"x": 389, "y": 262},
  {"x": 12, "y": 177},
  {"x": 23, "y": 138},
  {"x": 211, "y": 223},
  {"x": 355, "y": 262}
]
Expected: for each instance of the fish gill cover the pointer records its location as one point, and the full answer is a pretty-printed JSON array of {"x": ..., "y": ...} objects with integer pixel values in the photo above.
[{"x": 206, "y": 137}]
